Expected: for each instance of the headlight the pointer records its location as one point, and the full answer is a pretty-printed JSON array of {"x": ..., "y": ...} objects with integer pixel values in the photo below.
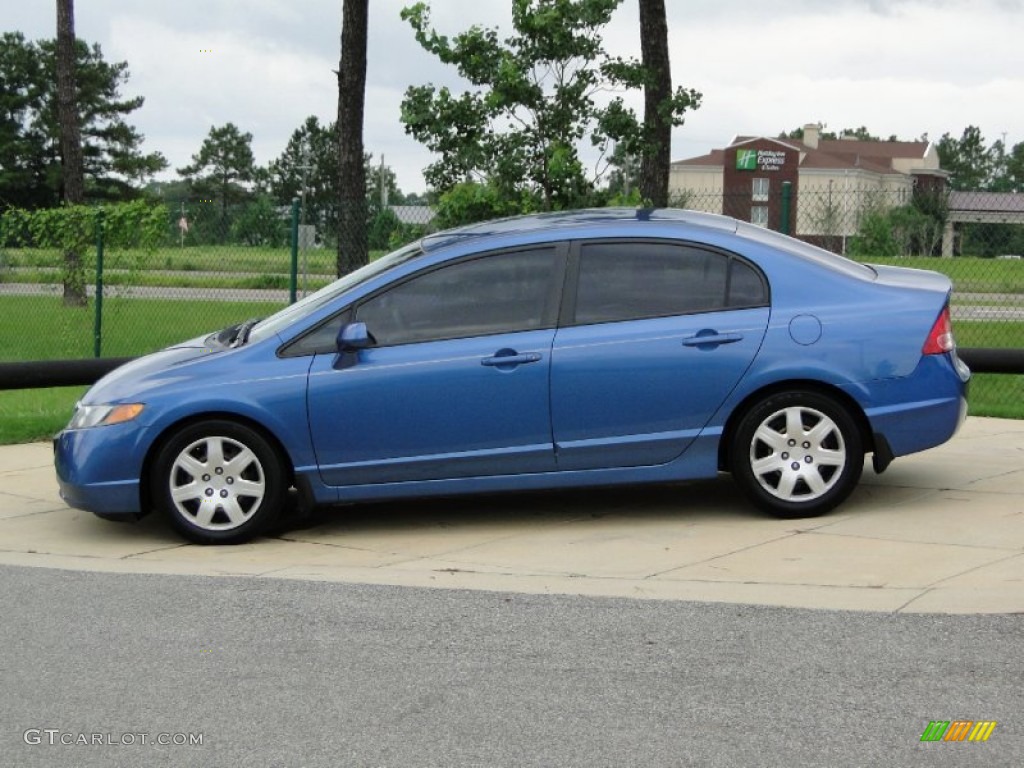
[{"x": 86, "y": 416}]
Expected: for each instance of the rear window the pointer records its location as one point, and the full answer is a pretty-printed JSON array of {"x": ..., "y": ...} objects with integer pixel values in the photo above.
[{"x": 806, "y": 251}]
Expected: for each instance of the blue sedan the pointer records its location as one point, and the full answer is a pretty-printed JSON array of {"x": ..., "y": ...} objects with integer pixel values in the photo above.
[{"x": 560, "y": 350}]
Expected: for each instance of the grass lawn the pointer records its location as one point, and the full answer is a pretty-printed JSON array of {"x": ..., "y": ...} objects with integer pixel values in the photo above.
[
  {"x": 997, "y": 394},
  {"x": 994, "y": 394},
  {"x": 969, "y": 275},
  {"x": 28, "y": 415},
  {"x": 39, "y": 328},
  {"x": 217, "y": 259},
  {"x": 199, "y": 280},
  {"x": 989, "y": 333}
]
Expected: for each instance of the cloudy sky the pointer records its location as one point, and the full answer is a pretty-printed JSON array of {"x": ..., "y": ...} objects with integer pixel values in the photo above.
[{"x": 903, "y": 67}]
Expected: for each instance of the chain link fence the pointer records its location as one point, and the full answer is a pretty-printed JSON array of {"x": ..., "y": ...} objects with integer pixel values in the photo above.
[
  {"x": 216, "y": 266},
  {"x": 219, "y": 265}
]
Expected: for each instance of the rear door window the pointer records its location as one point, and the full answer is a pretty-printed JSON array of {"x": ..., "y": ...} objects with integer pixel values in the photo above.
[{"x": 631, "y": 281}]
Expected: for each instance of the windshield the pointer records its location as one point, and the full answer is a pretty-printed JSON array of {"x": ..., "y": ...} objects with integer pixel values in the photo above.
[{"x": 303, "y": 308}]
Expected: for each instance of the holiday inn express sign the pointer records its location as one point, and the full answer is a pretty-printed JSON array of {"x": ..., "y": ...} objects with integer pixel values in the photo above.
[{"x": 760, "y": 159}]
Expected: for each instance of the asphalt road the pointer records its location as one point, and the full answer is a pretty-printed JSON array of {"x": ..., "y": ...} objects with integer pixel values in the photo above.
[{"x": 281, "y": 673}]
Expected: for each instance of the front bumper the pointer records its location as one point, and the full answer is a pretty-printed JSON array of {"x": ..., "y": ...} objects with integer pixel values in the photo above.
[{"x": 99, "y": 469}]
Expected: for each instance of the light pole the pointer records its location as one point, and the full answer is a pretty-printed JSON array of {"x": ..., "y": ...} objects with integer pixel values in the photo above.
[{"x": 305, "y": 167}]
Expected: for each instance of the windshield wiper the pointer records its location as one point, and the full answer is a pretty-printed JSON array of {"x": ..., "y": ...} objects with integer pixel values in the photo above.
[{"x": 242, "y": 334}]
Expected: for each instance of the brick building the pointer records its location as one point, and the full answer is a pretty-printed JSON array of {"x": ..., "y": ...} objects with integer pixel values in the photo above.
[{"x": 832, "y": 182}]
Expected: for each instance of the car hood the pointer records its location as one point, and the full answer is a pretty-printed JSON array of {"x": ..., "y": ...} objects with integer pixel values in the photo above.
[{"x": 143, "y": 373}]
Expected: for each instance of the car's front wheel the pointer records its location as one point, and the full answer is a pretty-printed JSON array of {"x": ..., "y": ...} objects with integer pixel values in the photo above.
[
  {"x": 797, "y": 454},
  {"x": 218, "y": 482}
]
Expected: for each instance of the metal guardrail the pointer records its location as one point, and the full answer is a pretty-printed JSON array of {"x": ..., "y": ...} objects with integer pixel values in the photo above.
[
  {"x": 40, "y": 374},
  {"x": 65, "y": 373},
  {"x": 991, "y": 360}
]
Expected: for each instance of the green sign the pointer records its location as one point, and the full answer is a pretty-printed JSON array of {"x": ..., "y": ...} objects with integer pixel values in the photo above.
[{"x": 746, "y": 159}]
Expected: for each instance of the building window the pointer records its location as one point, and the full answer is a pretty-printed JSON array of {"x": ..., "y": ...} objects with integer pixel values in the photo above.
[
  {"x": 759, "y": 215},
  {"x": 760, "y": 191}
]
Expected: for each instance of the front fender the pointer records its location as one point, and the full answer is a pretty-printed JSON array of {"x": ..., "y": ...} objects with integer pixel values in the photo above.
[{"x": 280, "y": 408}]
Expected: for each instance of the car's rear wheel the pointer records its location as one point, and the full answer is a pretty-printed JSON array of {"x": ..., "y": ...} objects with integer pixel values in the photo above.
[
  {"x": 797, "y": 454},
  {"x": 219, "y": 482}
]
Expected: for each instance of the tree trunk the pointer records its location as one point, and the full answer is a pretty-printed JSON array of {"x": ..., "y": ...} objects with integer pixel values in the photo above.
[
  {"x": 353, "y": 250},
  {"x": 73, "y": 177},
  {"x": 657, "y": 155}
]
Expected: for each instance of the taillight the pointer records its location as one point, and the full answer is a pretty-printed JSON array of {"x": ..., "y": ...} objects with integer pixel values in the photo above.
[{"x": 940, "y": 337}]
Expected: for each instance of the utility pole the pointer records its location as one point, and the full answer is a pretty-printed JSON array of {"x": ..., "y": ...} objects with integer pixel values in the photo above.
[{"x": 305, "y": 167}]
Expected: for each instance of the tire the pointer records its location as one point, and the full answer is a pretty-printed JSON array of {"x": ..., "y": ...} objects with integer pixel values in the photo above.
[
  {"x": 219, "y": 482},
  {"x": 797, "y": 454}
]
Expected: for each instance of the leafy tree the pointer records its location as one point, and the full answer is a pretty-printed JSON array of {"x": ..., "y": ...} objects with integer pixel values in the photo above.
[
  {"x": 382, "y": 225},
  {"x": 420, "y": 198},
  {"x": 353, "y": 251},
  {"x": 311, "y": 158},
  {"x": 623, "y": 173},
  {"x": 404, "y": 234},
  {"x": 310, "y": 162},
  {"x": 132, "y": 225},
  {"x": 472, "y": 201},
  {"x": 860, "y": 134},
  {"x": 975, "y": 166},
  {"x": 1014, "y": 173},
  {"x": 260, "y": 223},
  {"x": 30, "y": 159},
  {"x": 22, "y": 173},
  {"x": 967, "y": 159},
  {"x": 933, "y": 205},
  {"x": 901, "y": 231},
  {"x": 171, "y": 191},
  {"x": 518, "y": 133},
  {"x": 221, "y": 168},
  {"x": 1007, "y": 168}
]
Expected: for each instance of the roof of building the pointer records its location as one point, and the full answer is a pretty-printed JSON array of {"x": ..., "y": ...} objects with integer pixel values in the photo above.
[
  {"x": 413, "y": 214},
  {"x": 714, "y": 158},
  {"x": 817, "y": 158},
  {"x": 887, "y": 149},
  {"x": 988, "y": 202},
  {"x": 830, "y": 154}
]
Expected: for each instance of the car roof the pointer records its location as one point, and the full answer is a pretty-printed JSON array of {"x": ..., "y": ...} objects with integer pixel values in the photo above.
[{"x": 561, "y": 221}]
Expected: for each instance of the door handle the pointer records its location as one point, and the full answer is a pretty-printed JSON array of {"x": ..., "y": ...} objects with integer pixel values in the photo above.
[
  {"x": 510, "y": 360},
  {"x": 711, "y": 339}
]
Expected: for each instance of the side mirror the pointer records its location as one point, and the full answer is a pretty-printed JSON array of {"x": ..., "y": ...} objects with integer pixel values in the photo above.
[{"x": 355, "y": 336}]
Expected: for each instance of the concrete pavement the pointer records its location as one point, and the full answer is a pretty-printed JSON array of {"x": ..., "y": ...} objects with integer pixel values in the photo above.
[{"x": 939, "y": 532}]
